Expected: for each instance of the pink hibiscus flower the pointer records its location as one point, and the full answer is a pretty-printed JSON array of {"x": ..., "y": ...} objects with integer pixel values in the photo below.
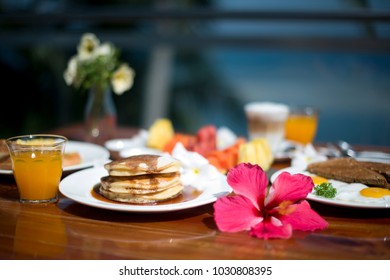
[{"x": 272, "y": 215}]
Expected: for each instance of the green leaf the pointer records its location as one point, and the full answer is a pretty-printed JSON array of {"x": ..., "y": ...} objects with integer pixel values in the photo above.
[{"x": 326, "y": 190}]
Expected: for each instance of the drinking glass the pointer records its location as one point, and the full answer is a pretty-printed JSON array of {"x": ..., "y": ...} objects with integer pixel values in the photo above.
[
  {"x": 267, "y": 120},
  {"x": 301, "y": 124},
  {"x": 37, "y": 166}
]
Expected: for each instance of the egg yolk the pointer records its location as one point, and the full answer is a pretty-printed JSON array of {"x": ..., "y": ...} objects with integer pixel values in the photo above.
[
  {"x": 318, "y": 180},
  {"x": 374, "y": 192}
]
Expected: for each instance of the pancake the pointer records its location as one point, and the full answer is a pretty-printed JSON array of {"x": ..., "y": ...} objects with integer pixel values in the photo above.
[
  {"x": 140, "y": 184},
  {"x": 149, "y": 198},
  {"x": 143, "y": 164}
]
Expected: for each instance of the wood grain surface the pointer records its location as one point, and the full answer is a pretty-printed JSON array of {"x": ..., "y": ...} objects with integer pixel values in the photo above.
[{"x": 69, "y": 230}]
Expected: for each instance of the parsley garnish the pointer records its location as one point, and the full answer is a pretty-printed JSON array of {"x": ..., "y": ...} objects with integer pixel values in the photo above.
[{"x": 325, "y": 190}]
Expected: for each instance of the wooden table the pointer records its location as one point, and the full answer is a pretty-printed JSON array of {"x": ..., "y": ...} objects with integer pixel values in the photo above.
[{"x": 69, "y": 230}]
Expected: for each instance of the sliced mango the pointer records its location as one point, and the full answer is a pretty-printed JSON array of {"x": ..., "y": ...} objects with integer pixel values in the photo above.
[
  {"x": 160, "y": 133},
  {"x": 257, "y": 151}
]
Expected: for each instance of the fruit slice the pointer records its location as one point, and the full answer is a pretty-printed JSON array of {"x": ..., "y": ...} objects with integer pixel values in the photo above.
[
  {"x": 227, "y": 158},
  {"x": 160, "y": 133},
  {"x": 257, "y": 151},
  {"x": 187, "y": 140},
  {"x": 206, "y": 140}
]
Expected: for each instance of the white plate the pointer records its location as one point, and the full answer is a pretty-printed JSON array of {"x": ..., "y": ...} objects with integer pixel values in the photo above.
[
  {"x": 286, "y": 150},
  {"x": 90, "y": 154},
  {"x": 78, "y": 187},
  {"x": 335, "y": 201},
  {"x": 139, "y": 140}
]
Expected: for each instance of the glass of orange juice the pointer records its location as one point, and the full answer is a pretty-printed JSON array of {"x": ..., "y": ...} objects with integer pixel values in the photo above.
[
  {"x": 301, "y": 124},
  {"x": 37, "y": 166}
]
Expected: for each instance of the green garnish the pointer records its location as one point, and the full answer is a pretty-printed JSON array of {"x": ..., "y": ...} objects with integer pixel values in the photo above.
[{"x": 325, "y": 190}]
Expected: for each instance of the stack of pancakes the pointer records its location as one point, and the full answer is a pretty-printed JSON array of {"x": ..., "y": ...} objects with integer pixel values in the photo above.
[{"x": 142, "y": 179}]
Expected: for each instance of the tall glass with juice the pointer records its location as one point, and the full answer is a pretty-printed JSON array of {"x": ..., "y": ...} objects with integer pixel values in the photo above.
[
  {"x": 301, "y": 125},
  {"x": 37, "y": 166}
]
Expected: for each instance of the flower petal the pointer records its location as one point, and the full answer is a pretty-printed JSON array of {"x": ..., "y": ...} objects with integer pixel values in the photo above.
[
  {"x": 272, "y": 228},
  {"x": 189, "y": 159},
  {"x": 304, "y": 218},
  {"x": 250, "y": 181},
  {"x": 196, "y": 169},
  {"x": 122, "y": 79},
  {"x": 289, "y": 187},
  {"x": 87, "y": 46},
  {"x": 71, "y": 71},
  {"x": 105, "y": 49},
  {"x": 235, "y": 213}
]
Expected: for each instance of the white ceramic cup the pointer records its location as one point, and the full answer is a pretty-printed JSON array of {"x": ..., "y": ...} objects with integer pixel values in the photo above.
[{"x": 267, "y": 120}]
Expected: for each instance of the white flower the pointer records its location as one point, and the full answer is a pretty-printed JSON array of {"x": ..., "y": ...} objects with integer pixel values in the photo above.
[
  {"x": 308, "y": 154},
  {"x": 122, "y": 79},
  {"x": 225, "y": 138},
  {"x": 87, "y": 47},
  {"x": 71, "y": 71},
  {"x": 197, "y": 171},
  {"x": 97, "y": 63},
  {"x": 104, "y": 49}
]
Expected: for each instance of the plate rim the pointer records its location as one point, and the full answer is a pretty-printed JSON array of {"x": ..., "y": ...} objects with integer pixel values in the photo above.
[
  {"x": 87, "y": 199},
  {"x": 328, "y": 201},
  {"x": 82, "y": 165}
]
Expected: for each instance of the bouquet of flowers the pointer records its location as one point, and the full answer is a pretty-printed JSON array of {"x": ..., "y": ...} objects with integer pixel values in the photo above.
[{"x": 97, "y": 64}]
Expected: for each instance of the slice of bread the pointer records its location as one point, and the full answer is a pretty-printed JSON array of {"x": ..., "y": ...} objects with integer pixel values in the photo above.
[
  {"x": 381, "y": 168},
  {"x": 350, "y": 170}
]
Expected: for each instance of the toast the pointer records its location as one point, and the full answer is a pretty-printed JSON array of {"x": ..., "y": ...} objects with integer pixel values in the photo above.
[{"x": 350, "y": 170}]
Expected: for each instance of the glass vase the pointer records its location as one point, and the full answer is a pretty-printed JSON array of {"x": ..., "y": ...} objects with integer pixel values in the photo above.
[{"x": 100, "y": 115}]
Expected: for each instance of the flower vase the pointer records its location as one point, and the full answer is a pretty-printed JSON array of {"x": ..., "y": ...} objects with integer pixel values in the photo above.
[{"x": 100, "y": 115}]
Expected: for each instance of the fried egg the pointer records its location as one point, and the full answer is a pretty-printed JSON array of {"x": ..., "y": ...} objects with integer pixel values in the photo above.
[
  {"x": 318, "y": 180},
  {"x": 356, "y": 192},
  {"x": 375, "y": 192},
  {"x": 347, "y": 192}
]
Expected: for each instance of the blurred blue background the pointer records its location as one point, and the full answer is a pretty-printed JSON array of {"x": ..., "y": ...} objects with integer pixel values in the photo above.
[{"x": 199, "y": 62}]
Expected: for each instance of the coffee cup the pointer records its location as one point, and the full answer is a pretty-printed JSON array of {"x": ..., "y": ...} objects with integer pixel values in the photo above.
[{"x": 267, "y": 120}]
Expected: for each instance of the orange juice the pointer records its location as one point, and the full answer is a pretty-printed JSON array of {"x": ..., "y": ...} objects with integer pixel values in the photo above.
[
  {"x": 37, "y": 166},
  {"x": 301, "y": 128},
  {"x": 38, "y": 174}
]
